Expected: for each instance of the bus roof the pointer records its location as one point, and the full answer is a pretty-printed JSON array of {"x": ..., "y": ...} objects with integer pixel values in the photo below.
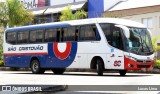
[{"x": 79, "y": 22}]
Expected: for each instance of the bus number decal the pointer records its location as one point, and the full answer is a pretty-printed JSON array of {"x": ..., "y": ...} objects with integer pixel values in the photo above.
[{"x": 117, "y": 63}]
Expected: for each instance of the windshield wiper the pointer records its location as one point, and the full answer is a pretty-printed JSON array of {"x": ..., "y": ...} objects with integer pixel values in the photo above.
[
  {"x": 144, "y": 42},
  {"x": 141, "y": 43},
  {"x": 147, "y": 47}
]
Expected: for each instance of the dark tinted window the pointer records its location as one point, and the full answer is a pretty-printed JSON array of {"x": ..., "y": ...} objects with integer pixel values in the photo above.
[
  {"x": 96, "y": 32},
  {"x": 58, "y": 36},
  {"x": 23, "y": 37},
  {"x": 64, "y": 34},
  {"x": 87, "y": 33},
  {"x": 39, "y": 36},
  {"x": 69, "y": 34},
  {"x": 36, "y": 36},
  {"x": 113, "y": 35},
  {"x": 32, "y": 36},
  {"x": 11, "y": 37},
  {"x": 76, "y": 33},
  {"x": 107, "y": 31},
  {"x": 82, "y": 33},
  {"x": 50, "y": 35},
  {"x": 116, "y": 38}
]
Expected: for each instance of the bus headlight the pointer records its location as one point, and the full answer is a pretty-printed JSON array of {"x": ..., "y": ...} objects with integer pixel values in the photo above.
[{"x": 131, "y": 58}]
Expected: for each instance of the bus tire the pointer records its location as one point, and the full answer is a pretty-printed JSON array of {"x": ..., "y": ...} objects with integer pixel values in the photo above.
[
  {"x": 100, "y": 67},
  {"x": 58, "y": 70},
  {"x": 35, "y": 67},
  {"x": 122, "y": 72}
]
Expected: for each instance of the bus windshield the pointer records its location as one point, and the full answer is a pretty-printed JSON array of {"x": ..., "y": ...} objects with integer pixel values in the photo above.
[{"x": 139, "y": 41}]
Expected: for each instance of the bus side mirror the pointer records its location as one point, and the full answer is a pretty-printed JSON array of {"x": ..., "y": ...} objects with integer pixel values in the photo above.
[
  {"x": 125, "y": 30},
  {"x": 149, "y": 32}
]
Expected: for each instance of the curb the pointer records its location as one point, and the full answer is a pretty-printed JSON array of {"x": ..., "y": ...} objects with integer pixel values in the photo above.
[{"x": 14, "y": 69}]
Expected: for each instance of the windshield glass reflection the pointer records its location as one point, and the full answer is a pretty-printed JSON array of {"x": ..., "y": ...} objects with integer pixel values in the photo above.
[{"x": 139, "y": 41}]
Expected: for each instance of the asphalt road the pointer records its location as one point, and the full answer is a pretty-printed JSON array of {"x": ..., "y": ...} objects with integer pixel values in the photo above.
[{"x": 78, "y": 78}]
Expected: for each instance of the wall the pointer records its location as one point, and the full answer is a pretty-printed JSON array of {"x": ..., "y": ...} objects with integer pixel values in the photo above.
[{"x": 110, "y": 3}]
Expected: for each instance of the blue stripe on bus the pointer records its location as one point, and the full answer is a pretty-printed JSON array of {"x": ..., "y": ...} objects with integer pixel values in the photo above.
[
  {"x": 49, "y": 60},
  {"x": 23, "y": 60},
  {"x": 41, "y": 26}
]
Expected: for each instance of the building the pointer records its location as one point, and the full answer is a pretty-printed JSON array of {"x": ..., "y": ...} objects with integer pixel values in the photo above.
[
  {"x": 50, "y": 10},
  {"x": 143, "y": 11}
]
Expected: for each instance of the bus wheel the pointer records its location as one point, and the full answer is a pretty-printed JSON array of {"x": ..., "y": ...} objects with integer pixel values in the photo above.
[
  {"x": 100, "y": 67},
  {"x": 58, "y": 70},
  {"x": 35, "y": 67},
  {"x": 122, "y": 72}
]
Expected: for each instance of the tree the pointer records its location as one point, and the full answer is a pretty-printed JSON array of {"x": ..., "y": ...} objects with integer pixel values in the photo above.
[
  {"x": 3, "y": 14},
  {"x": 13, "y": 13},
  {"x": 156, "y": 49},
  {"x": 67, "y": 14},
  {"x": 154, "y": 45}
]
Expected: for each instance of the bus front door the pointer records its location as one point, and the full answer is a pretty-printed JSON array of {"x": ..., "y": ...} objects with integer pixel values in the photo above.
[{"x": 116, "y": 59}]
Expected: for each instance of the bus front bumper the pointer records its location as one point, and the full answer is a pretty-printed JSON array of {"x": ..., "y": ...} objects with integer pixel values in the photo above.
[{"x": 135, "y": 65}]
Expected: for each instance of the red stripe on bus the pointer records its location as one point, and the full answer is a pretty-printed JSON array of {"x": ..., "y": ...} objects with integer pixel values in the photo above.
[{"x": 36, "y": 53}]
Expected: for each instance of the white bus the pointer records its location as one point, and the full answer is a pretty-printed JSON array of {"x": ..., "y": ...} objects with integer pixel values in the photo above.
[{"x": 98, "y": 43}]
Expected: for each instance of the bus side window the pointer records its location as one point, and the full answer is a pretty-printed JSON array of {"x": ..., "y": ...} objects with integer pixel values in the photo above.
[
  {"x": 58, "y": 36},
  {"x": 46, "y": 34},
  {"x": 96, "y": 32},
  {"x": 77, "y": 34},
  {"x": 69, "y": 34},
  {"x": 64, "y": 34},
  {"x": 23, "y": 37},
  {"x": 107, "y": 31},
  {"x": 50, "y": 35},
  {"x": 82, "y": 33},
  {"x": 32, "y": 36},
  {"x": 39, "y": 36},
  {"x": 11, "y": 37},
  {"x": 117, "y": 38},
  {"x": 36, "y": 36},
  {"x": 89, "y": 33}
]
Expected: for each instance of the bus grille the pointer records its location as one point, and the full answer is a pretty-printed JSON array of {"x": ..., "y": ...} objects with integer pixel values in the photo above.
[
  {"x": 143, "y": 61},
  {"x": 143, "y": 66}
]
